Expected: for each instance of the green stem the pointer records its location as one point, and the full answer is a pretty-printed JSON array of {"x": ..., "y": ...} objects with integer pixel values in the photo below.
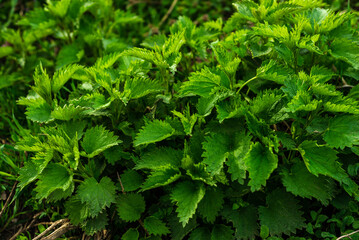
[{"x": 244, "y": 84}]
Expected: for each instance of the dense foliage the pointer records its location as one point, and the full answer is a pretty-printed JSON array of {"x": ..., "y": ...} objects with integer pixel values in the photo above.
[{"x": 238, "y": 128}]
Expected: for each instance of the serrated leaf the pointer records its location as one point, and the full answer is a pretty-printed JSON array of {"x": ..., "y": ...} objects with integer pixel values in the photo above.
[
  {"x": 39, "y": 113},
  {"x": 131, "y": 180},
  {"x": 27, "y": 174},
  {"x": 260, "y": 162},
  {"x": 201, "y": 233},
  {"x": 321, "y": 160},
  {"x": 67, "y": 112},
  {"x": 188, "y": 120},
  {"x": 58, "y": 8},
  {"x": 60, "y": 194},
  {"x": 69, "y": 54},
  {"x": 53, "y": 177},
  {"x": 161, "y": 177},
  {"x": 200, "y": 83},
  {"x": 138, "y": 87},
  {"x": 199, "y": 172},
  {"x": 187, "y": 195},
  {"x": 154, "y": 131},
  {"x": 302, "y": 101},
  {"x": 211, "y": 204},
  {"x": 31, "y": 169},
  {"x": 235, "y": 163},
  {"x": 346, "y": 50},
  {"x": 286, "y": 140},
  {"x": 343, "y": 131},
  {"x": 93, "y": 225},
  {"x": 282, "y": 214},
  {"x": 96, "y": 195},
  {"x": 321, "y": 74},
  {"x": 97, "y": 140},
  {"x": 160, "y": 157},
  {"x": 244, "y": 221},
  {"x": 131, "y": 234},
  {"x": 273, "y": 71},
  {"x": 42, "y": 84},
  {"x": 221, "y": 232},
  {"x": 215, "y": 152},
  {"x": 155, "y": 226},
  {"x": 130, "y": 206},
  {"x": 301, "y": 182},
  {"x": 62, "y": 75},
  {"x": 178, "y": 231},
  {"x": 77, "y": 211}
]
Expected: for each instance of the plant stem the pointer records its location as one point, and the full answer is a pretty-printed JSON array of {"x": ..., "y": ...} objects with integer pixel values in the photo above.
[{"x": 248, "y": 81}]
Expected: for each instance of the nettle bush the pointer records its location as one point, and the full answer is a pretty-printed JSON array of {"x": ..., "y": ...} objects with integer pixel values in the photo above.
[{"x": 237, "y": 130}]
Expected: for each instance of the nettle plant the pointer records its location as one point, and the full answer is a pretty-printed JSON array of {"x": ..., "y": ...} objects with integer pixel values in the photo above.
[{"x": 231, "y": 130}]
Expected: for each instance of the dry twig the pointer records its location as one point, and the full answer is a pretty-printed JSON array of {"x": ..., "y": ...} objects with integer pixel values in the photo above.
[
  {"x": 9, "y": 198},
  {"x": 59, "y": 232},
  {"x": 52, "y": 226},
  {"x": 168, "y": 12},
  {"x": 347, "y": 235}
]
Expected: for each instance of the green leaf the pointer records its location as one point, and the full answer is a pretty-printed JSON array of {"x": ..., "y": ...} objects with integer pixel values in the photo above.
[
  {"x": 346, "y": 50},
  {"x": 154, "y": 131},
  {"x": 131, "y": 180},
  {"x": 62, "y": 75},
  {"x": 27, "y": 174},
  {"x": 200, "y": 83},
  {"x": 54, "y": 176},
  {"x": 96, "y": 195},
  {"x": 5, "y": 51},
  {"x": 302, "y": 101},
  {"x": 235, "y": 163},
  {"x": 77, "y": 211},
  {"x": 60, "y": 194},
  {"x": 139, "y": 87},
  {"x": 188, "y": 120},
  {"x": 215, "y": 152},
  {"x": 187, "y": 195},
  {"x": 97, "y": 140},
  {"x": 301, "y": 182},
  {"x": 321, "y": 160},
  {"x": 222, "y": 232},
  {"x": 226, "y": 58},
  {"x": 260, "y": 162},
  {"x": 155, "y": 226},
  {"x": 93, "y": 225},
  {"x": 199, "y": 172},
  {"x": 131, "y": 234},
  {"x": 343, "y": 131},
  {"x": 39, "y": 113},
  {"x": 160, "y": 157},
  {"x": 69, "y": 54},
  {"x": 31, "y": 169},
  {"x": 58, "y": 8},
  {"x": 178, "y": 231},
  {"x": 67, "y": 112},
  {"x": 42, "y": 84},
  {"x": 282, "y": 214},
  {"x": 161, "y": 177},
  {"x": 130, "y": 206},
  {"x": 244, "y": 221},
  {"x": 201, "y": 233},
  {"x": 211, "y": 204}
]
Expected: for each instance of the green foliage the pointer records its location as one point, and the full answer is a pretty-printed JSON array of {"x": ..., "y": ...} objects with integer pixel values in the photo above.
[
  {"x": 238, "y": 128},
  {"x": 187, "y": 195},
  {"x": 130, "y": 206},
  {"x": 282, "y": 214}
]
